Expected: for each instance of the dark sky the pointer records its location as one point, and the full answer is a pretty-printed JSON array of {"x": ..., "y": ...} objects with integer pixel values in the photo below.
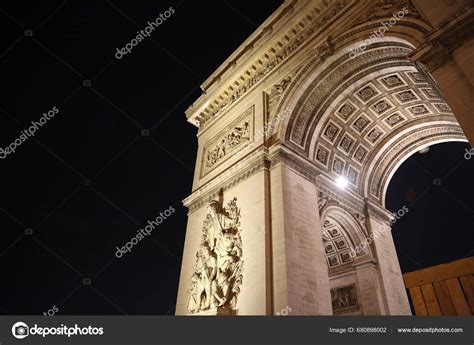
[
  {"x": 120, "y": 151},
  {"x": 438, "y": 189}
]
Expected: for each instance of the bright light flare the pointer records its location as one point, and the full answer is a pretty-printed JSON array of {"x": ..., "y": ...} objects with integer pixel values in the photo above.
[{"x": 341, "y": 182}]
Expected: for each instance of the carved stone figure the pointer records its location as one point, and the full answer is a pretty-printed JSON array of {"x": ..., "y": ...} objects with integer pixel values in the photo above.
[
  {"x": 237, "y": 136},
  {"x": 204, "y": 273},
  {"x": 344, "y": 298},
  {"x": 217, "y": 275},
  {"x": 275, "y": 93}
]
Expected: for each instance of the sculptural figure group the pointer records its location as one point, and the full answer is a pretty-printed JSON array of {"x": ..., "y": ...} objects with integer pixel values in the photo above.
[
  {"x": 217, "y": 276},
  {"x": 238, "y": 135}
]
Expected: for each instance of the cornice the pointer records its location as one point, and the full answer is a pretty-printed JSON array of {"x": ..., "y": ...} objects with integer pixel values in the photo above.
[
  {"x": 345, "y": 198},
  {"x": 249, "y": 45},
  {"x": 309, "y": 24},
  {"x": 377, "y": 212},
  {"x": 280, "y": 154},
  {"x": 440, "y": 42},
  {"x": 241, "y": 171},
  {"x": 261, "y": 159}
]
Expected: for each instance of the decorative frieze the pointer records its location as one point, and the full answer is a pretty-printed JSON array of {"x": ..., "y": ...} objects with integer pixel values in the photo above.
[
  {"x": 442, "y": 41},
  {"x": 386, "y": 8},
  {"x": 318, "y": 17},
  {"x": 238, "y": 135}
]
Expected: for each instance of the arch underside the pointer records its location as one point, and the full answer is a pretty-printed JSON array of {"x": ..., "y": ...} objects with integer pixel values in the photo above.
[
  {"x": 361, "y": 117},
  {"x": 342, "y": 233}
]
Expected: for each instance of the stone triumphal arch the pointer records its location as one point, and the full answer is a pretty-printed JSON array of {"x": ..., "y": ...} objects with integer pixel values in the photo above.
[{"x": 300, "y": 131}]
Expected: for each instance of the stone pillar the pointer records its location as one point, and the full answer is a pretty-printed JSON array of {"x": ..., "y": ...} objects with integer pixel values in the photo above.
[
  {"x": 392, "y": 284},
  {"x": 372, "y": 300},
  {"x": 300, "y": 274},
  {"x": 459, "y": 94},
  {"x": 464, "y": 56},
  {"x": 251, "y": 193},
  {"x": 448, "y": 54}
]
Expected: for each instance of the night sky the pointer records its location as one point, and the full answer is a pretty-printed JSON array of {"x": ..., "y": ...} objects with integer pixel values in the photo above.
[
  {"x": 120, "y": 151},
  {"x": 438, "y": 189}
]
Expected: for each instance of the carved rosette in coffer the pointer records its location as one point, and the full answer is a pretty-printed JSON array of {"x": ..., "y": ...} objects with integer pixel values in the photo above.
[{"x": 231, "y": 140}]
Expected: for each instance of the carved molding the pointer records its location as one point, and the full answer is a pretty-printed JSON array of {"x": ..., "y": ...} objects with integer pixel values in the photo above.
[
  {"x": 250, "y": 165},
  {"x": 319, "y": 18},
  {"x": 325, "y": 50},
  {"x": 331, "y": 45},
  {"x": 314, "y": 23},
  {"x": 349, "y": 201},
  {"x": 340, "y": 74},
  {"x": 325, "y": 201},
  {"x": 351, "y": 220},
  {"x": 377, "y": 212},
  {"x": 275, "y": 93},
  {"x": 417, "y": 138},
  {"x": 441, "y": 42},
  {"x": 235, "y": 174},
  {"x": 220, "y": 148},
  {"x": 386, "y": 8},
  {"x": 281, "y": 154}
]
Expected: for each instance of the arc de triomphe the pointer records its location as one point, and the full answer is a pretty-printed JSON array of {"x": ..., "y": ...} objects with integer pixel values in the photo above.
[{"x": 300, "y": 131}]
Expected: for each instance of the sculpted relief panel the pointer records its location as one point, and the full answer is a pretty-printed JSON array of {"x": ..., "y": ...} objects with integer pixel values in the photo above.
[
  {"x": 275, "y": 93},
  {"x": 215, "y": 283},
  {"x": 344, "y": 299},
  {"x": 233, "y": 139}
]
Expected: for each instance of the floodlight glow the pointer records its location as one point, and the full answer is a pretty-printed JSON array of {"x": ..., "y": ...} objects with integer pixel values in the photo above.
[{"x": 341, "y": 182}]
